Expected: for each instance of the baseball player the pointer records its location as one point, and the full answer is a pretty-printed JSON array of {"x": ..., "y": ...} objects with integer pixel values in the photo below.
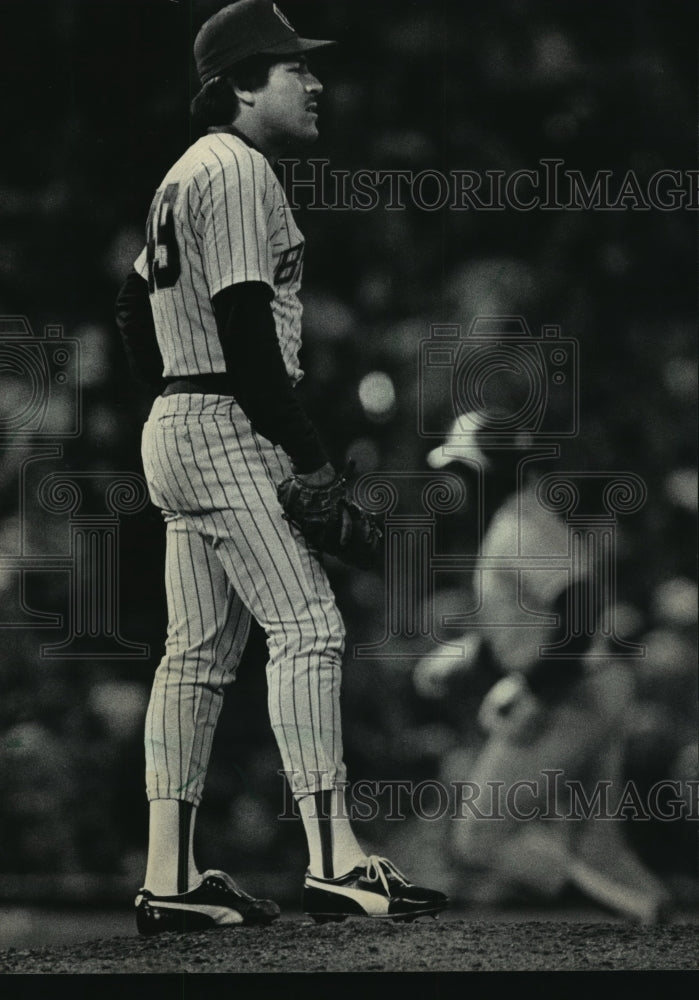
[
  {"x": 542, "y": 716},
  {"x": 211, "y": 318}
]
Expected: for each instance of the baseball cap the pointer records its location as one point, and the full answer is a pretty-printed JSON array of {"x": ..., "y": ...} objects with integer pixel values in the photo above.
[
  {"x": 461, "y": 442},
  {"x": 473, "y": 437},
  {"x": 246, "y": 28}
]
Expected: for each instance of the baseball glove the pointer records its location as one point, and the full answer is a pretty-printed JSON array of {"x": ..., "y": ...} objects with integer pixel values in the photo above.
[{"x": 331, "y": 521}]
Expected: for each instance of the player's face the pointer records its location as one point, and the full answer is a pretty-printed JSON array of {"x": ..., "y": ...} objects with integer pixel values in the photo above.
[{"x": 286, "y": 109}]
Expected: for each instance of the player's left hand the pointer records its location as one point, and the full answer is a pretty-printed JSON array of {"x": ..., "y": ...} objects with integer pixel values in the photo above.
[{"x": 330, "y": 520}]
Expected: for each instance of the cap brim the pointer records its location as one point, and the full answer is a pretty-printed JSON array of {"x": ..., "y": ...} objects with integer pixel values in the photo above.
[
  {"x": 298, "y": 45},
  {"x": 436, "y": 458},
  {"x": 450, "y": 454}
]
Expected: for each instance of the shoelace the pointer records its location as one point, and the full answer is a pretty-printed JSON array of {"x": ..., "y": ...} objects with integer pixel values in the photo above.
[
  {"x": 377, "y": 868},
  {"x": 233, "y": 885}
]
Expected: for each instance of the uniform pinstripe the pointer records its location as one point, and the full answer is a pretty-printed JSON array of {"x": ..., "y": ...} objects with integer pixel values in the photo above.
[
  {"x": 230, "y": 554},
  {"x": 220, "y": 218},
  {"x": 232, "y": 223}
]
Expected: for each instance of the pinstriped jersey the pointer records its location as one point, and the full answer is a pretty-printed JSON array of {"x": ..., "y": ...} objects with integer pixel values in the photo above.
[{"x": 219, "y": 217}]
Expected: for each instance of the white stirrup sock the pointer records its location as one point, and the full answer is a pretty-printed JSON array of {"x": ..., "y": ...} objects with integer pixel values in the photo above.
[
  {"x": 171, "y": 869},
  {"x": 333, "y": 848}
]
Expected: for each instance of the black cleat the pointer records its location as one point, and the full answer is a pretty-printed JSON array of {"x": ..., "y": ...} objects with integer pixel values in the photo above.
[
  {"x": 216, "y": 902},
  {"x": 373, "y": 889}
]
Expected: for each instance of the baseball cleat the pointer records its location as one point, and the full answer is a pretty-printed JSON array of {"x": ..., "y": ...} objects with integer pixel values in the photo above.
[
  {"x": 373, "y": 889},
  {"x": 216, "y": 902}
]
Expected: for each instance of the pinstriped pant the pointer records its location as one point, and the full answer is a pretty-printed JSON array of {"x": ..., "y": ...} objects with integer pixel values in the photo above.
[{"x": 229, "y": 555}]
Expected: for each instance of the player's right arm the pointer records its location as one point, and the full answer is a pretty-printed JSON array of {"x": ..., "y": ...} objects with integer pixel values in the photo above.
[
  {"x": 134, "y": 318},
  {"x": 257, "y": 374}
]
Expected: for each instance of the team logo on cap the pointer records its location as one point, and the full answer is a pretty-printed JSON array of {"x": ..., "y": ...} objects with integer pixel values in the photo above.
[{"x": 281, "y": 17}]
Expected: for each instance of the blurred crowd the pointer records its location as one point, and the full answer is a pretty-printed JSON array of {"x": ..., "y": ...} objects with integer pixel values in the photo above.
[{"x": 92, "y": 123}]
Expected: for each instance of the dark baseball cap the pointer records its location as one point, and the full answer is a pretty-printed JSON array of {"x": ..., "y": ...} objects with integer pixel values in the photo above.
[{"x": 246, "y": 28}]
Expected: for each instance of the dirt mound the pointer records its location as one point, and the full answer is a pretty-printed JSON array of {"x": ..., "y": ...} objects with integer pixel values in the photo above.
[{"x": 426, "y": 946}]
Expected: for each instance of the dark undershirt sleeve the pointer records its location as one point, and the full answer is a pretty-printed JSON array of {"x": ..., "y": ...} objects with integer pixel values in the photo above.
[
  {"x": 134, "y": 318},
  {"x": 258, "y": 377}
]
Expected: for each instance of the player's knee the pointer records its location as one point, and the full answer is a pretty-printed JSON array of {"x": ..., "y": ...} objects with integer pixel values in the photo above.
[
  {"x": 322, "y": 644},
  {"x": 318, "y": 632},
  {"x": 195, "y": 668}
]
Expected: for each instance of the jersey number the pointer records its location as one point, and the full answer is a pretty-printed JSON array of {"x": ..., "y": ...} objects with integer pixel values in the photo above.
[
  {"x": 289, "y": 265},
  {"x": 163, "y": 254}
]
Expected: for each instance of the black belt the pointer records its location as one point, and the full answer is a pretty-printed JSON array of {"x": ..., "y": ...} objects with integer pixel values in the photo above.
[{"x": 217, "y": 383}]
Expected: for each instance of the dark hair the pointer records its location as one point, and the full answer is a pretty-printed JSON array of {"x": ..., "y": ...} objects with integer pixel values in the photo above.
[{"x": 216, "y": 103}]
